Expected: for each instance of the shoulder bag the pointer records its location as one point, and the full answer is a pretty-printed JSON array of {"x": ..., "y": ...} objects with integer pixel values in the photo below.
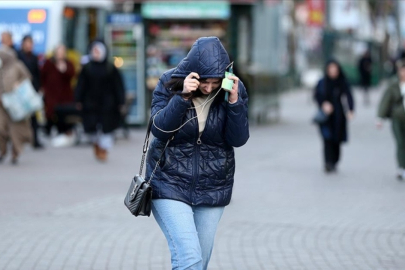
[
  {"x": 139, "y": 196},
  {"x": 320, "y": 116}
]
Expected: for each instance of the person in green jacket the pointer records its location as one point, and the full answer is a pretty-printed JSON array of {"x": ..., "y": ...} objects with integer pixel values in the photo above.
[{"x": 392, "y": 106}]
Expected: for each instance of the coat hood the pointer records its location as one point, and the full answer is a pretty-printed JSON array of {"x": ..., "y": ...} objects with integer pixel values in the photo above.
[{"x": 207, "y": 57}]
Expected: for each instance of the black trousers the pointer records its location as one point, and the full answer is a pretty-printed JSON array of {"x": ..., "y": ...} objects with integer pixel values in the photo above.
[
  {"x": 34, "y": 127},
  {"x": 60, "y": 120},
  {"x": 331, "y": 152}
]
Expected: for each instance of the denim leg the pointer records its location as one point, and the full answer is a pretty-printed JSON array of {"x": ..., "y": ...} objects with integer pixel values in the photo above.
[
  {"x": 206, "y": 221},
  {"x": 177, "y": 223}
]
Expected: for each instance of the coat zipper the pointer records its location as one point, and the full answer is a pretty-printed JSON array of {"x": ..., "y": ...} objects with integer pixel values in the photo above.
[
  {"x": 196, "y": 154},
  {"x": 195, "y": 163},
  {"x": 195, "y": 176}
]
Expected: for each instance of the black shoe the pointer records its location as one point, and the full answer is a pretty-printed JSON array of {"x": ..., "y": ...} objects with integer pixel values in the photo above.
[
  {"x": 399, "y": 177},
  {"x": 330, "y": 168},
  {"x": 38, "y": 146}
]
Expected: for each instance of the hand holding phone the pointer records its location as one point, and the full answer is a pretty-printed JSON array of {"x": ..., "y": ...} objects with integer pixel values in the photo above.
[
  {"x": 227, "y": 83},
  {"x": 230, "y": 84}
]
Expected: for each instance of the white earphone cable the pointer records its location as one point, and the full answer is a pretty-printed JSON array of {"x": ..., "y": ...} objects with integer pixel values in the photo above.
[{"x": 177, "y": 129}]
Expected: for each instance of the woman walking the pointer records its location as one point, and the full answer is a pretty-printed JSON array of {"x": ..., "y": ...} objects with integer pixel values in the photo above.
[
  {"x": 100, "y": 95},
  {"x": 56, "y": 77},
  {"x": 328, "y": 95},
  {"x": 12, "y": 72},
  {"x": 193, "y": 182},
  {"x": 392, "y": 106}
]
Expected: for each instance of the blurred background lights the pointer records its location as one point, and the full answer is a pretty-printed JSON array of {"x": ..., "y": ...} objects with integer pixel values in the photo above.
[{"x": 118, "y": 62}]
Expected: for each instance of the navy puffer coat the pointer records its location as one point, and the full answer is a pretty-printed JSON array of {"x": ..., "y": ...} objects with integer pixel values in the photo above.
[{"x": 197, "y": 174}]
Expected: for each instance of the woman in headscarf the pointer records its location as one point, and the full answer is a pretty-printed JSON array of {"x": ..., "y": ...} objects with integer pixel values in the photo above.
[
  {"x": 100, "y": 95},
  {"x": 328, "y": 95},
  {"x": 12, "y": 72}
]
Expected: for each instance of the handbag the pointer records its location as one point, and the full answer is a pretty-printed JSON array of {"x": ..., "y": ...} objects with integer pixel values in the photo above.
[
  {"x": 320, "y": 117},
  {"x": 139, "y": 196},
  {"x": 22, "y": 102}
]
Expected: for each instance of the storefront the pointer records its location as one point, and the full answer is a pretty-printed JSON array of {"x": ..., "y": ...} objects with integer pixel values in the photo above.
[
  {"x": 125, "y": 40},
  {"x": 171, "y": 27}
]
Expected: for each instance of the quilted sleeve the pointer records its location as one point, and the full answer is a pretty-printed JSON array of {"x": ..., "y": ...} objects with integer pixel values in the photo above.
[
  {"x": 168, "y": 111},
  {"x": 237, "y": 124}
]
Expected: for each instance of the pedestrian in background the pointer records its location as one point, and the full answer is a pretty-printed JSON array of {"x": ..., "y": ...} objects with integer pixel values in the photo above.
[
  {"x": 30, "y": 60},
  {"x": 365, "y": 68},
  {"x": 56, "y": 77},
  {"x": 328, "y": 95},
  {"x": 100, "y": 95},
  {"x": 194, "y": 181},
  {"x": 7, "y": 40},
  {"x": 392, "y": 106},
  {"x": 12, "y": 72}
]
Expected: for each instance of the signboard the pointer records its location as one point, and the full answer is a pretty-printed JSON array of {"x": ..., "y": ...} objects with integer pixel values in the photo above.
[
  {"x": 186, "y": 10},
  {"x": 345, "y": 14},
  {"x": 23, "y": 21},
  {"x": 316, "y": 12},
  {"x": 123, "y": 18}
]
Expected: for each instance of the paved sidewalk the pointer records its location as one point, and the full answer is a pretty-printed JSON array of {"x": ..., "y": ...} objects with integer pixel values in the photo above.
[{"x": 60, "y": 209}]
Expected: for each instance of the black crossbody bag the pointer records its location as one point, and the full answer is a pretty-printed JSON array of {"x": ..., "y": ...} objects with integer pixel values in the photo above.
[{"x": 139, "y": 196}]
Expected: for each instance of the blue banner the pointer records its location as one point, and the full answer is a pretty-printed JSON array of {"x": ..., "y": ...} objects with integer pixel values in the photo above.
[{"x": 24, "y": 21}]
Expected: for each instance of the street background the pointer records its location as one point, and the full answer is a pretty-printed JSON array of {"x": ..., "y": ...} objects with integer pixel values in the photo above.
[{"x": 61, "y": 209}]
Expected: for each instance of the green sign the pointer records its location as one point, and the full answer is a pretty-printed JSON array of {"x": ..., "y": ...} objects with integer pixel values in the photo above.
[{"x": 186, "y": 10}]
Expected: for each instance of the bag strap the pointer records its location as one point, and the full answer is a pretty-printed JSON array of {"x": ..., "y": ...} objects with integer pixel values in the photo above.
[
  {"x": 145, "y": 150},
  {"x": 145, "y": 146}
]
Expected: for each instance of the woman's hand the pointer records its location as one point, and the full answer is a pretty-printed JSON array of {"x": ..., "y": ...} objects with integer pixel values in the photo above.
[
  {"x": 350, "y": 115},
  {"x": 327, "y": 107},
  {"x": 191, "y": 84},
  {"x": 233, "y": 94}
]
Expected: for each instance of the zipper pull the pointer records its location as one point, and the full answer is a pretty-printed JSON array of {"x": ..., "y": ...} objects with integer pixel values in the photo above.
[{"x": 199, "y": 140}]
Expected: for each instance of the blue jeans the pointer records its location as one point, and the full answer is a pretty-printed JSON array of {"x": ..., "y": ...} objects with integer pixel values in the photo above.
[{"x": 189, "y": 231}]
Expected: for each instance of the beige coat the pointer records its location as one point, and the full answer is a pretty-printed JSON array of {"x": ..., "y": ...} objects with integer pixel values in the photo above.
[{"x": 12, "y": 72}]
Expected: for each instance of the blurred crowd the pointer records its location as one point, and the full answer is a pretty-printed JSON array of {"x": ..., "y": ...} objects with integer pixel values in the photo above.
[{"x": 93, "y": 95}]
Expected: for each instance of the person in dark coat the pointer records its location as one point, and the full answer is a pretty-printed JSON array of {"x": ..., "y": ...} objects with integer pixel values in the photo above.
[
  {"x": 193, "y": 182},
  {"x": 392, "y": 106},
  {"x": 328, "y": 95},
  {"x": 30, "y": 60},
  {"x": 100, "y": 95},
  {"x": 365, "y": 68},
  {"x": 56, "y": 77}
]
